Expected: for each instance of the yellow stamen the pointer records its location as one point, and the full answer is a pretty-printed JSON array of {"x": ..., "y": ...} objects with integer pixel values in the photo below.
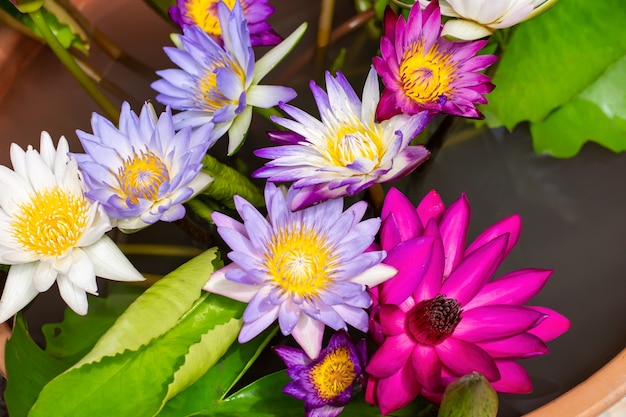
[
  {"x": 354, "y": 141},
  {"x": 51, "y": 223},
  {"x": 141, "y": 175},
  {"x": 204, "y": 14},
  {"x": 426, "y": 76},
  {"x": 299, "y": 261},
  {"x": 333, "y": 375}
]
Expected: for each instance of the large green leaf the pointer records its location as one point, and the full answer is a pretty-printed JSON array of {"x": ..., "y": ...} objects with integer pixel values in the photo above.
[
  {"x": 164, "y": 341},
  {"x": 76, "y": 335},
  {"x": 552, "y": 63},
  {"x": 29, "y": 368}
]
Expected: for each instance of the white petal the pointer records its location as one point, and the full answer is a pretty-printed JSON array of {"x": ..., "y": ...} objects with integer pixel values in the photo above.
[
  {"x": 73, "y": 296},
  {"x": 264, "y": 65},
  {"x": 82, "y": 273},
  {"x": 18, "y": 290},
  {"x": 375, "y": 275},
  {"x": 109, "y": 262},
  {"x": 44, "y": 276},
  {"x": 465, "y": 30},
  {"x": 309, "y": 333},
  {"x": 218, "y": 284},
  {"x": 238, "y": 130}
]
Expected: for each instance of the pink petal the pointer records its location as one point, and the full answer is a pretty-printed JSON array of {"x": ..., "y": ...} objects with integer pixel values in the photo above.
[
  {"x": 495, "y": 322},
  {"x": 431, "y": 207},
  {"x": 463, "y": 357},
  {"x": 475, "y": 270},
  {"x": 511, "y": 225},
  {"x": 552, "y": 327},
  {"x": 514, "y": 288},
  {"x": 392, "y": 319},
  {"x": 397, "y": 391},
  {"x": 391, "y": 356},
  {"x": 218, "y": 284},
  {"x": 427, "y": 367},
  {"x": 431, "y": 283},
  {"x": 389, "y": 233},
  {"x": 409, "y": 225},
  {"x": 453, "y": 227},
  {"x": 411, "y": 259},
  {"x": 514, "y": 378},
  {"x": 523, "y": 345}
]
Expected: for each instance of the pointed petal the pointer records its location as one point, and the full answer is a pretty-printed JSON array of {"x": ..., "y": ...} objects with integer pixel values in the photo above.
[
  {"x": 76, "y": 298},
  {"x": 265, "y": 64},
  {"x": 463, "y": 357},
  {"x": 309, "y": 333},
  {"x": 392, "y": 355},
  {"x": 109, "y": 262},
  {"x": 552, "y": 327},
  {"x": 514, "y": 379},
  {"x": 218, "y": 284},
  {"x": 18, "y": 290},
  {"x": 495, "y": 322}
]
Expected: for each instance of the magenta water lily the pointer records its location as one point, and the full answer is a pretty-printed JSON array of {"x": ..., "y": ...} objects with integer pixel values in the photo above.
[
  {"x": 219, "y": 84},
  {"x": 306, "y": 268},
  {"x": 325, "y": 384},
  {"x": 442, "y": 316},
  {"x": 347, "y": 150},
  {"x": 203, "y": 14},
  {"x": 423, "y": 71},
  {"x": 143, "y": 171}
]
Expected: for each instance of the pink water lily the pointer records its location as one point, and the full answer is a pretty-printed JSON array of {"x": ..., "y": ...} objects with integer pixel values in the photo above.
[{"x": 442, "y": 316}]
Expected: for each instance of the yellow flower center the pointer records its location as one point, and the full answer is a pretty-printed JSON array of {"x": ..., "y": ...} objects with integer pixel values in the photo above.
[
  {"x": 209, "y": 96},
  {"x": 426, "y": 76},
  {"x": 333, "y": 375},
  {"x": 51, "y": 223},
  {"x": 141, "y": 175},
  {"x": 204, "y": 14},
  {"x": 354, "y": 141},
  {"x": 299, "y": 261}
]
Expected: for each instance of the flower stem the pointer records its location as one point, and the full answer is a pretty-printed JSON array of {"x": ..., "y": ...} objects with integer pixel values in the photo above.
[
  {"x": 376, "y": 196},
  {"x": 66, "y": 59}
]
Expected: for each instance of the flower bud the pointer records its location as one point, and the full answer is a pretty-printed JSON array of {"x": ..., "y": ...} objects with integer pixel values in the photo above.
[{"x": 469, "y": 396}]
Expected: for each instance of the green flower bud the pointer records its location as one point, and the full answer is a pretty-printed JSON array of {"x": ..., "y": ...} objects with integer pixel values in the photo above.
[{"x": 469, "y": 396}]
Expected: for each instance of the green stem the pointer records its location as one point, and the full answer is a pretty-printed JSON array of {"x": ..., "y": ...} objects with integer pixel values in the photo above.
[{"x": 66, "y": 58}]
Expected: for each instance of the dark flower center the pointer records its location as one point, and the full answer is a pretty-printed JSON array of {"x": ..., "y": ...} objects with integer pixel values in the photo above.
[{"x": 431, "y": 321}]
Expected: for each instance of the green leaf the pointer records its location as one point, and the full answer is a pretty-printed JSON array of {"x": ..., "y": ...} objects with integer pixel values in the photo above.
[
  {"x": 158, "y": 309},
  {"x": 572, "y": 53},
  {"x": 133, "y": 383},
  {"x": 76, "y": 335},
  {"x": 205, "y": 394},
  {"x": 161, "y": 7},
  {"x": 29, "y": 368},
  {"x": 228, "y": 182}
]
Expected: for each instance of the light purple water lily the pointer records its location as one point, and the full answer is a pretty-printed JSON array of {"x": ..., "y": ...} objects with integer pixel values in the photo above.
[
  {"x": 345, "y": 152},
  {"x": 441, "y": 316},
  {"x": 423, "y": 71},
  {"x": 203, "y": 13},
  {"x": 220, "y": 84},
  {"x": 143, "y": 171},
  {"x": 306, "y": 268},
  {"x": 326, "y": 383}
]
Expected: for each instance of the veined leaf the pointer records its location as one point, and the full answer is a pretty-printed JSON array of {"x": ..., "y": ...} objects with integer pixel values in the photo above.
[
  {"x": 158, "y": 309},
  {"x": 29, "y": 368},
  {"x": 138, "y": 382},
  {"x": 559, "y": 68}
]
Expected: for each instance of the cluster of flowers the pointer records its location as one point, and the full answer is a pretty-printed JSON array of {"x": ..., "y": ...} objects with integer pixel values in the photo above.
[{"x": 426, "y": 299}]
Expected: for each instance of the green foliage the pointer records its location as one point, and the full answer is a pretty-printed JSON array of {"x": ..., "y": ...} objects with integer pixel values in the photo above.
[
  {"x": 564, "y": 72},
  {"x": 63, "y": 26},
  {"x": 161, "y": 6}
]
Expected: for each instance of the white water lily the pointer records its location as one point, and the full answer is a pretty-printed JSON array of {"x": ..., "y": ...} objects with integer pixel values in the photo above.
[
  {"x": 49, "y": 231},
  {"x": 479, "y": 18}
]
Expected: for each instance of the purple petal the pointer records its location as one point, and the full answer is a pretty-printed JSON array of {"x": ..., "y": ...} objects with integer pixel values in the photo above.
[{"x": 292, "y": 356}]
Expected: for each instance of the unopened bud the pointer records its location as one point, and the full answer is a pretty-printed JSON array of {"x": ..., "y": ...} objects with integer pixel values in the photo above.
[{"x": 469, "y": 396}]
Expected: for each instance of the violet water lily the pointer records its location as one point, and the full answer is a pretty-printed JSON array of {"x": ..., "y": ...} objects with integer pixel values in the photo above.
[
  {"x": 220, "y": 84},
  {"x": 51, "y": 232},
  {"x": 326, "y": 383},
  {"x": 476, "y": 19},
  {"x": 203, "y": 13},
  {"x": 442, "y": 316},
  {"x": 306, "y": 268},
  {"x": 347, "y": 150},
  {"x": 423, "y": 71},
  {"x": 143, "y": 171}
]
